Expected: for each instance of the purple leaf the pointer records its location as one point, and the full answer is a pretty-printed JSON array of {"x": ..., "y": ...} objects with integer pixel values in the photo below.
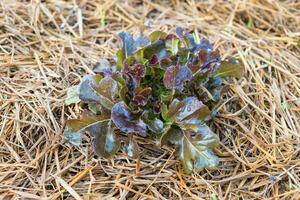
[
  {"x": 179, "y": 32},
  {"x": 209, "y": 61},
  {"x": 142, "y": 41},
  {"x": 175, "y": 77},
  {"x": 87, "y": 92},
  {"x": 163, "y": 54},
  {"x": 127, "y": 121},
  {"x": 129, "y": 45},
  {"x": 103, "y": 66},
  {"x": 204, "y": 44},
  {"x": 136, "y": 71},
  {"x": 142, "y": 96},
  {"x": 189, "y": 107},
  {"x": 171, "y": 37},
  {"x": 153, "y": 60},
  {"x": 139, "y": 100},
  {"x": 191, "y": 41},
  {"x": 157, "y": 107}
]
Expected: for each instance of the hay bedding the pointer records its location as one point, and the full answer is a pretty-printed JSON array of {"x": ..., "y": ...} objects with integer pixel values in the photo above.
[{"x": 47, "y": 47}]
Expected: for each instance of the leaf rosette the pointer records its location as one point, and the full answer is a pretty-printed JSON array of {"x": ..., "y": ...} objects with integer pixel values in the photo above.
[{"x": 164, "y": 86}]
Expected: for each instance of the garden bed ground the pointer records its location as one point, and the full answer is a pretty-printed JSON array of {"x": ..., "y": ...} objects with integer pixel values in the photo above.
[{"x": 47, "y": 47}]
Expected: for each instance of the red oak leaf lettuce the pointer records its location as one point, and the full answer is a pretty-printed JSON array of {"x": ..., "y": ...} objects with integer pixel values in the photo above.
[{"x": 165, "y": 86}]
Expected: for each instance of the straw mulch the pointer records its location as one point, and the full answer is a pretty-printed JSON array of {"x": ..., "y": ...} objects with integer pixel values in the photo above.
[{"x": 47, "y": 47}]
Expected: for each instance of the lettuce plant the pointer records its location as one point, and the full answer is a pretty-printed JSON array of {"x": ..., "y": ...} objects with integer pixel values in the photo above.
[{"x": 164, "y": 86}]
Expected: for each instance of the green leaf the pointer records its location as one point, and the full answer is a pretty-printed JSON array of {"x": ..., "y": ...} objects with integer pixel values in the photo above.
[
  {"x": 214, "y": 197},
  {"x": 164, "y": 112},
  {"x": 189, "y": 107},
  {"x": 94, "y": 90},
  {"x": 229, "y": 29},
  {"x": 193, "y": 149},
  {"x": 196, "y": 37},
  {"x": 153, "y": 123},
  {"x": 173, "y": 45},
  {"x": 102, "y": 17},
  {"x": 157, "y": 35},
  {"x": 72, "y": 95},
  {"x": 131, "y": 148},
  {"x": 74, "y": 127},
  {"x": 105, "y": 143},
  {"x": 174, "y": 108},
  {"x": 120, "y": 58},
  {"x": 172, "y": 136},
  {"x": 204, "y": 133},
  {"x": 107, "y": 90},
  {"x": 203, "y": 113},
  {"x": 117, "y": 76},
  {"x": 123, "y": 95},
  {"x": 211, "y": 90},
  {"x": 94, "y": 108},
  {"x": 191, "y": 136},
  {"x": 156, "y": 48},
  {"x": 231, "y": 68},
  {"x": 189, "y": 40},
  {"x": 87, "y": 91},
  {"x": 250, "y": 23}
]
